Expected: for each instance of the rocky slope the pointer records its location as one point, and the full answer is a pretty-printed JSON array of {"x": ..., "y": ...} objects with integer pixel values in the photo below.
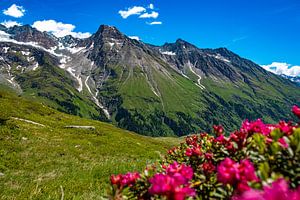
[{"x": 173, "y": 89}]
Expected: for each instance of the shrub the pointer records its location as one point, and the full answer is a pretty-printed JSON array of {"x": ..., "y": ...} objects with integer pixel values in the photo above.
[{"x": 258, "y": 161}]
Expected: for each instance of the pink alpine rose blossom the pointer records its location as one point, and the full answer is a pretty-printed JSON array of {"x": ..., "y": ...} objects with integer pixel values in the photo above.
[
  {"x": 296, "y": 111},
  {"x": 283, "y": 143},
  {"x": 279, "y": 190}
]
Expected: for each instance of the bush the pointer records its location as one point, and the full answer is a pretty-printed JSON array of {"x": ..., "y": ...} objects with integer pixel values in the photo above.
[{"x": 258, "y": 161}]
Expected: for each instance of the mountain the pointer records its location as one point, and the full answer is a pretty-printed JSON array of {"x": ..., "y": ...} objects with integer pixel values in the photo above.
[
  {"x": 173, "y": 89},
  {"x": 295, "y": 79}
]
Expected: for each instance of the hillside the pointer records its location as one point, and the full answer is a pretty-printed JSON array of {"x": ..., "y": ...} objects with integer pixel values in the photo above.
[
  {"x": 172, "y": 89},
  {"x": 42, "y": 162}
]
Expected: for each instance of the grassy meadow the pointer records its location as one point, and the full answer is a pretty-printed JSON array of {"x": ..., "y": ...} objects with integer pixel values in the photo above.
[{"x": 48, "y": 161}]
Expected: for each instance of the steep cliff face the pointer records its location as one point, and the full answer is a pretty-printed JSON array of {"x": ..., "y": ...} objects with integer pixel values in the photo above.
[{"x": 173, "y": 89}]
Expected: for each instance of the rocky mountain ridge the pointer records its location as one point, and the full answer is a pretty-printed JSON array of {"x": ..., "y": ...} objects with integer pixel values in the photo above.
[{"x": 173, "y": 89}]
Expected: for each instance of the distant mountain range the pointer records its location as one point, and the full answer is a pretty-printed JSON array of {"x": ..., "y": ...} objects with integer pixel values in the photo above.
[{"x": 173, "y": 89}]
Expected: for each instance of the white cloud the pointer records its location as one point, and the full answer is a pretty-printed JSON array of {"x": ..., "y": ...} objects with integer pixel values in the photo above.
[
  {"x": 151, "y": 6},
  {"x": 80, "y": 35},
  {"x": 10, "y": 23},
  {"x": 136, "y": 10},
  {"x": 135, "y": 38},
  {"x": 283, "y": 68},
  {"x": 14, "y": 11},
  {"x": 155, "y": 23},
  {"x": 59, "y": 29},
  {"x": 149, "y": 15}
]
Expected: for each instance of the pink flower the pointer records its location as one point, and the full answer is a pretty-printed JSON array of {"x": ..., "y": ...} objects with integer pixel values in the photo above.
[
  {"x": 208, "y": 156},
  {"x": 129, "y": 179},
  {"x": 296, "y": 111},
  {"x": 228, "y": 171},
  {"x": 218, "y": 129},
  {"x": 166, "y": 185},
  {"x": 203, "y": 135},
  {"x": 161, "y": 184},
  {"x": 182, "y": 193},
  {"x": 122, "y": 180},
  {"x": 283, "y": 143},
  {"x": 295, "y": 195},
  {"x": 269, "y": 140},
  {"x": 247, "y": 171},
  {"x": 221, "y": 139},
  {"x": 239, "y": 137},
  {"x": 192, "y": 140},
  {"x": 185, "y": 171},
  {"x": 208, "y": 167},
  {"x": 236, "y": 174},
  {"x": 255, "y": 127},
  {"x": 194, "y": 151},
  {"x": 250, "y": 195},
  {"x": 229, "y": 146},
  {"x": 174, "y": 184},
  {"x": 189, "y": 152},
  {"x": 279, "y": 190},
  {"x": 115, "y": 179},
  {"x": 286, "y": 128},
  {"x": 242, "y": 187}
]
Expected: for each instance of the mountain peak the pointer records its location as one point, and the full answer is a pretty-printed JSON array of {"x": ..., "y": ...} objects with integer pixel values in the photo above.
[
  {"x": 104, "y": 27},
  {"x": 27, "y": 33},
  {"x": 184, "y": 44},
  {"x": 181, "y": 41},
  {"x": 179, "y": 46},
  {"x": 224, "y": 51},
  {"x": 106, "y": 31}
]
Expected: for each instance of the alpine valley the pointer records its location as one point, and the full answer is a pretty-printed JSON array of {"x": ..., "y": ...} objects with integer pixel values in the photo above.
[{"x": 167, "y": 90}]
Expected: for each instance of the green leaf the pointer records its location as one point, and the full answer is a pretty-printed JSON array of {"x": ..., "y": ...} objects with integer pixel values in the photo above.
[
  {"x": 276, "y": 134},
  {"x": 264, "y": 170}
]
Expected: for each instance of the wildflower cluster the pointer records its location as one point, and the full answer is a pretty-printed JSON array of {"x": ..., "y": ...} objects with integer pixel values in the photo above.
[
  {"x": 123, "y": 180},
  {"x": 278, "y": 190},
  {"x": 236, "y": 174},
  {"x": 173, "y": 183},
  {"x": 258, "y": 161}
]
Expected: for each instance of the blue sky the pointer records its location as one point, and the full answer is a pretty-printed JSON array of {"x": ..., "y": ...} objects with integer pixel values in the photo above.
[{"x": 264, "y": 31}]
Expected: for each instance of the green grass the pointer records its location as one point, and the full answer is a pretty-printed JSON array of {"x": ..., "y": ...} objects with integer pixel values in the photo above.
[
  {"x": 136, "y": 90},
  {"x": 38, "y": 161},
  {"x": 179, "y": 93}
]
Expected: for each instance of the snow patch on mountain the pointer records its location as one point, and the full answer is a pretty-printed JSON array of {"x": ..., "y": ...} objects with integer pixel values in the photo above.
[
  {"x": 75, "y": 50},
  {"x": 219, "y": 57},
  {"x": 5, "y": 37},
  {"x": 95, "y": 98},
  {"x": 169, "y": 53},
  {"x": 199, "y": 77},
  {"x": 63, "y": 61},
  {"x": 181, "y": 72},
  {"x": 25, "y": 53},
  {"x": 35, "y": 66},
  {"x": 77, "y": 77},
  {"x": 5, "y": 49},
  {"x": 87, "y": 86}
]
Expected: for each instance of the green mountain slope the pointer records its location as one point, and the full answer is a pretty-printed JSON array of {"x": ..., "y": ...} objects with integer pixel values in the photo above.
[
  {"x": 173, "y": 89},
  {"x": 48, "y": 83},
  {"x": 39, "y": 162},
  {"x": 178, "y": 88}
]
